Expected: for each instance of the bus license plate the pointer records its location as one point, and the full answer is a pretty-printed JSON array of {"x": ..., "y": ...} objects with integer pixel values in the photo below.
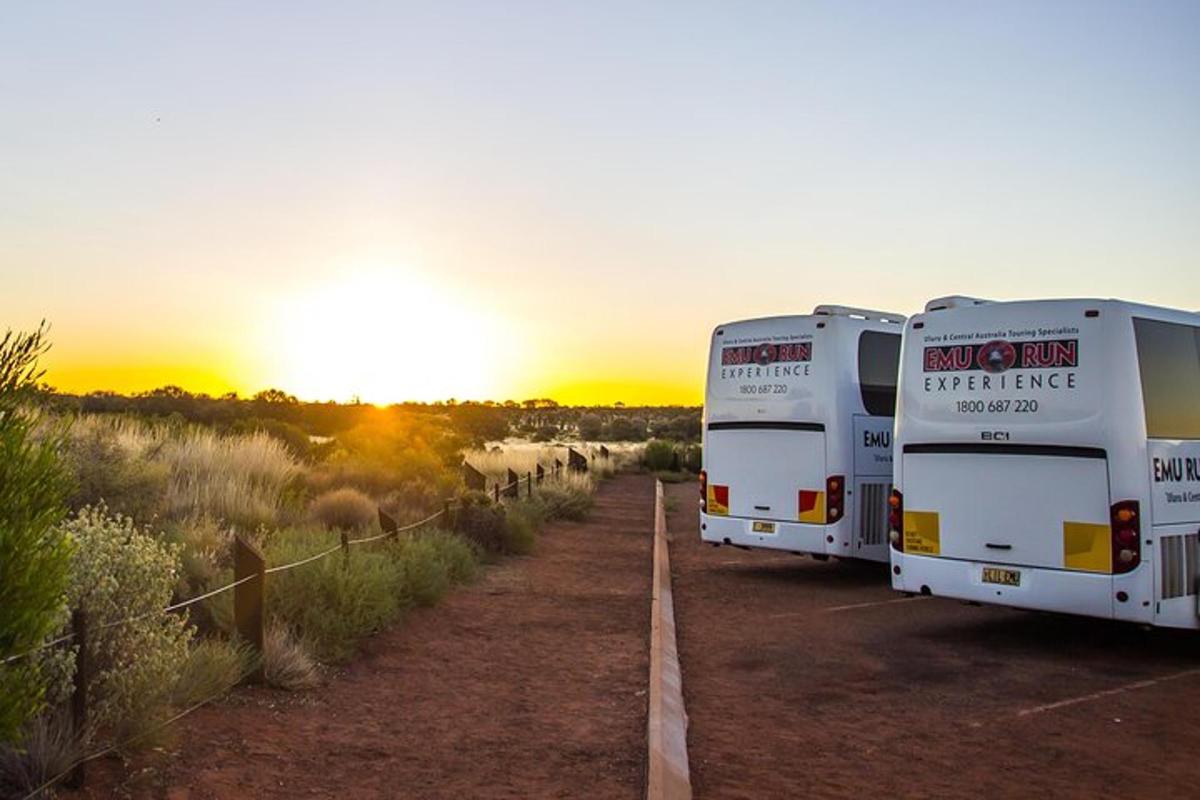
[
  {"x": 1003, "y": 577},
  {"x": 763, "y": 527}
]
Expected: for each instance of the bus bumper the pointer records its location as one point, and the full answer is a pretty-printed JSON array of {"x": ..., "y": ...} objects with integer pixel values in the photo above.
[
  {"x": 795, "y": 537},
  {"x": 1064, "y": 591}
]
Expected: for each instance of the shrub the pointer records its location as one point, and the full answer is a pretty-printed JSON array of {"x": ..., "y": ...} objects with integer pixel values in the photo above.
[
  {"x": 481, "y": 521},
  {"x": 521, "y": 524},
  {"x": 213, "y": 666},
  {"x": 111, "y": 466},
  {"x": 344, "y": 509},
  {"x": 566, "y": 500},
  {"x": 329, "y": 603},
  {"x": 34, "y": 552},
  {"x": 118, "y": 572},
  {"x": 286, "y": 662},
  {"x": 591, "y": 426},
  {"x": 659, "y": 455}
]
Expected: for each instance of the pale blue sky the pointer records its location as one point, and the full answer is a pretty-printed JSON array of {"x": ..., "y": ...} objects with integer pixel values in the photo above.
[{"x": 610, "y": 178}]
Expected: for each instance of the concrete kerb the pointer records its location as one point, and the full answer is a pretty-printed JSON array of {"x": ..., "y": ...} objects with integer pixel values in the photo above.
[{"x": 667, "y": 775}]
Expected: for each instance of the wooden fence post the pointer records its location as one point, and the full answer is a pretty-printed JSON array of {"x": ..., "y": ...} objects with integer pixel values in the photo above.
[
  {"x": 79, "y": 721},
  {"x": 345, "y": 550},
  {"x": 514, "y": 485},
  {"x": 496, "y": 492},
  {"x": 557, "y": 467},
  {"x": 541, "y": 474},
  {"x": 248, "y": 598},
  {"x": 473, "y": 479}
]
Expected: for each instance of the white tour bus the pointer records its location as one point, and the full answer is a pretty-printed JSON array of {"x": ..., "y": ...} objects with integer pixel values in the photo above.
[
  {"x": 797, "y": 432},
  {"x": 1048, "y": 457}
]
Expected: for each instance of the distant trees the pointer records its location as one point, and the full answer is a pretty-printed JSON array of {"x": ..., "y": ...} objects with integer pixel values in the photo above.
[{"x": 591, "y": 426}]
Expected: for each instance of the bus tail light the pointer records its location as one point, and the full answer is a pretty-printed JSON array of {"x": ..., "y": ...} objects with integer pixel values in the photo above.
[
  {"x": 1126, "y": 536},
  {"x": 896, "y": 520},
  {"x": 703, "y": 490},
  {"x": 835, "y": 503}
]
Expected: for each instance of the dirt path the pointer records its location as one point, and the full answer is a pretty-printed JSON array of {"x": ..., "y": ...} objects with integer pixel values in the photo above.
[
  {"x": 530, "y": 683},
  {"x": 808, "y": 679}
]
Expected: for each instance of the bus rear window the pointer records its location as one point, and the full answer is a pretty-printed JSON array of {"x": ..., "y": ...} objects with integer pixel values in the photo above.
[
  {"x": 1169, "y": 361},
  {"x": 878, "y": 363}
]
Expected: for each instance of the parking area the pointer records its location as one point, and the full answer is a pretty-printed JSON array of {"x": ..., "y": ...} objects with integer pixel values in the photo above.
[{"x": 804, "y": 678}]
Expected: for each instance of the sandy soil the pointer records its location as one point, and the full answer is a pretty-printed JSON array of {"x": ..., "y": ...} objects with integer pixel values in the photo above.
[
  {"x": 789, "y": 693},
  {"x": 530, "y": 683}
]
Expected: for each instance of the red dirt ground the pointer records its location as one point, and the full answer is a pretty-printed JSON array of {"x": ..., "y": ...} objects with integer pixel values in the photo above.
[
  {"x": 918, "y": 697},
  {"x": 530, "y": 683}
]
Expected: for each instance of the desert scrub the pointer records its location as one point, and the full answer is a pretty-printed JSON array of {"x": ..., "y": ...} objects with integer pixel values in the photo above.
[
  {"x": 111, "y": 462},
  {"x": 119, "y": 572},
  {"x": 213, "y": 666},
  {"x": 332, "y": 603},
  {"x": 660, "y": 455},
  {"x": 344, "y": 509},
  {"x": 522, "y": 521},
  {"x": 47, "y": 748},
  {"x": 34, "y": 551},
  {"x": 480, "y": 521},
  {"x": 241, "y": 479},
  {"x": 569, "y": 500},
  {"x": 286, "y": 662}
]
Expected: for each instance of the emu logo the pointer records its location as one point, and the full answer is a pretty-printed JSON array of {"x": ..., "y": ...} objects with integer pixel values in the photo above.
[
  {"x": 996, "y": 356},
  {"x": 881, "y": 439}
]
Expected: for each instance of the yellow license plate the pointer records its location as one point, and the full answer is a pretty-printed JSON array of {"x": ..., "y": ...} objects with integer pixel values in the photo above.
[
  {"x": 763, "y": 527},
  {"x": 1002, "y": 577}
]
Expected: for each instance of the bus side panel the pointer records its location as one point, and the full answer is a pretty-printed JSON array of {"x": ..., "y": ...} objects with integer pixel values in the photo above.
[
  {"x": 1175, "y": 517},
  {"x": 871, "y": 484}
]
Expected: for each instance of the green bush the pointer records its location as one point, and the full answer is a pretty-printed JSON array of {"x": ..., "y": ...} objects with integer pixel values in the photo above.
[
  {"x": 659, "y": 455},
  {"x": 118, "y": 572},
  {"x": 344, "y": 509},
  {"x": 565, "y": 501},
  {"x": 34, "y": 552},
  {"x": 213, "y": 666},
  {"x": 330, "y": 604},
  {"x": 481, "y": 521},
  {"x": 521, "y": 524}
]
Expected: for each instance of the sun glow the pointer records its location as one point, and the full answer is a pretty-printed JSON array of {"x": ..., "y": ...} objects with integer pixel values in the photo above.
[{"x": 382, "y": 336}]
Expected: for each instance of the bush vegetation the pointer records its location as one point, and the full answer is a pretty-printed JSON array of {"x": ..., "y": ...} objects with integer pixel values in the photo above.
[
  {"x": 34, "y": 552},
  {"x": 125, "y": 504},
  {"x": 343, "y": 509}
]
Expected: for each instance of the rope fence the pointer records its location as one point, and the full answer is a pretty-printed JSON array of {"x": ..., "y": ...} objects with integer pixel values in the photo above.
[{"x": 248, "y": 612}]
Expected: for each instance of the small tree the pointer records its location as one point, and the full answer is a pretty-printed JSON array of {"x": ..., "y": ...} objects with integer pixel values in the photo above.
[{"x": 34, "y": 554}]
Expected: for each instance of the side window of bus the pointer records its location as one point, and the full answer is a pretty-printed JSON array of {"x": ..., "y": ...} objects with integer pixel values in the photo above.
[
  {"x": 1169, "y": 361},
  {"x": 878, "y": 364}
]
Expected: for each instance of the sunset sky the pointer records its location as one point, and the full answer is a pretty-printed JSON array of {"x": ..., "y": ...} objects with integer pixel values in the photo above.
[{"x": 513, "y": 200}]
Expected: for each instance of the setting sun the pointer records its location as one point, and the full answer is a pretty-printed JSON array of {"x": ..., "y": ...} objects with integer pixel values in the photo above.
[{"x": 382, "y": 335}]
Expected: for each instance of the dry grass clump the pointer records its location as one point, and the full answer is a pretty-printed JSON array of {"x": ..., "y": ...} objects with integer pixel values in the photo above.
[
  {"x": 286, "y": 663},
  {"x": 343, "y": 509},
  {"x": 238, "y": 478},
  {"x": 47, "y": 747},
  {"x": 213, "y": 666},
  {"x": 143, "y": 469}
]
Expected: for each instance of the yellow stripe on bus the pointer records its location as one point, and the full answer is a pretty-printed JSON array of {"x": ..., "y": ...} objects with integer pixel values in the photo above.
[
  {"x": 922, "y": 535},
  {"x": 816, "y": 514},
  {"x": 1087, "y": 546}
]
